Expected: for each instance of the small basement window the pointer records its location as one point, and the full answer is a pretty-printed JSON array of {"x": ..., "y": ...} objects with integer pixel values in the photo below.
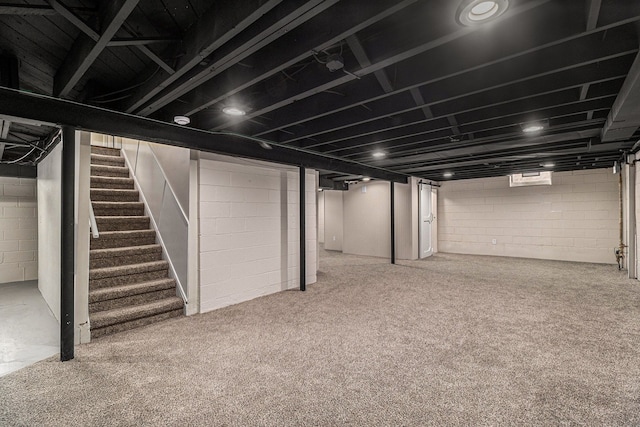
[{"x": 530, "y": 178}]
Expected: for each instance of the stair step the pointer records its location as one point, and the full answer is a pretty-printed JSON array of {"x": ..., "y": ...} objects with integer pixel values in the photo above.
[
  {"x": 109, "y": 182},
  {"x": 114, "y": 195},
  {"x": 118, "y": 208},
  {"x": 101, "y": 258},
  {"x": 125, "y": 274},
  {"x": 105, "y": 151},
  {"x": 101, "y": 159},
  {"x": 134, "y": 294},
  {"x": 120, "y": 319},
  {"x": 120, "y": 223},
  {"x": 115, "y": 171},
  {"x": 122, "y": 239}
]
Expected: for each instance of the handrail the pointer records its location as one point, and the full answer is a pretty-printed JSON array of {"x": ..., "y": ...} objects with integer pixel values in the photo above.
[
  {"x": 152, "y": 219},
  {"x": 92, "y": 222},
  {"x": 166, "y": 181}
]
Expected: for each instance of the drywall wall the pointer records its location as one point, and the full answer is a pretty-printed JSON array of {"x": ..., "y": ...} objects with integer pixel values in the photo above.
[
  {"x": 49, "y": 220},
  {"x": 18, "y": 230},
  {"x": 367, "y": 219},
  {"x": 575, "y": 219},
  {"x": 249, "y": 229},
  {"x": 333, "y": 221}
]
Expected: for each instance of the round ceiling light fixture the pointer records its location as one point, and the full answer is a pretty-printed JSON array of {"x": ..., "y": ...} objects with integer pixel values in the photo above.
[
  {"x": 448, "y": 174},
  {"x": 181, "y": 120},
  {"x": 532, "y": 128},
  {"x": 234, "y": 111},
  {"x": 477, "y": 12},
  {"x": 366, "y": 179},
  {"x": 379, "y": 154},
  {"x": 547, "y": 165}
]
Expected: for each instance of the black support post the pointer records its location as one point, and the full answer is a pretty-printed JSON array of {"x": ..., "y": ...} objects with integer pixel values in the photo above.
[
  {"x": 303, "y": 240},
  {"x": 67, "y": 249},
  {"x": 393, "y": 225}
]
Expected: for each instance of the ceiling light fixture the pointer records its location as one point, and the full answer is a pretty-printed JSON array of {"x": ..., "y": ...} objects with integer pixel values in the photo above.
[
  {"x": 547, "y": 165},
  {"x": 379, "y": 154},
  {"x": 234, "y": 111},
  {"x": 476, "y": 12},
  {"x": 366, "y": 179},
  {"x": 448, "y": 174},
  {"x": 532, "y": 127},
  {"x": 182, "y": 120}
]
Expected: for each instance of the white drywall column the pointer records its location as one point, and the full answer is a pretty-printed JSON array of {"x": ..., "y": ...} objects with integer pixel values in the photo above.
[
  {"x": 193, "y": 278},
  {"x": 333, "y": 220},
  {"x": 83, "y": 178},
  {"x": 630, "y": 217}
]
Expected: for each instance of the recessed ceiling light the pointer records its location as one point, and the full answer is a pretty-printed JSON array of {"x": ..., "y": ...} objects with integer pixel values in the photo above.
[
  {"x": 379, "y": 154},
  {"x": 476, "y": 12},
  {"x": 448, "y": 174},
  {"x": 532, "y": 127},
  {"x": 234, "y": 111},
  {"x": 182, "y": 120},
  {"x": 547, "y": 165},
  {"x": 366, "y": 179}
]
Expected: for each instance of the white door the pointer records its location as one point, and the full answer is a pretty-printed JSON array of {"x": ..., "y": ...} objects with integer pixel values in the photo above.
[{"x": 426, "y": 220}]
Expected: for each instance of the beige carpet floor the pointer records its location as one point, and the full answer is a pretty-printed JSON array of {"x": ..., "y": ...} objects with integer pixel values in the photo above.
[{"x": 451, "y": 340}]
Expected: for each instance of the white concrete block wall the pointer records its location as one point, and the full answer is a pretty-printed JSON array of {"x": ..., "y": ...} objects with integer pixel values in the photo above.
[
  {"x": 18, "y": 230},
  {"x": 249, "y": 238},
  {"x": 575, "y": 219}
]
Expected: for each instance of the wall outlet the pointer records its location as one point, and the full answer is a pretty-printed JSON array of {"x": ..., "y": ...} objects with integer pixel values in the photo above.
[{"x": 494, "y": 241}]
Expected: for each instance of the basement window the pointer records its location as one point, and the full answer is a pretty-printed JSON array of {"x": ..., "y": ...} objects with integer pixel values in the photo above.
[{"x": 530, "y": 178}]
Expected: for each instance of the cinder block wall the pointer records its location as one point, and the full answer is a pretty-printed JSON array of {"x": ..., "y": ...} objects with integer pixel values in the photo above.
[
  {"x": 249, "y": 231},
  {"x": 18, "y": 230},
  {"x": 575, "y": 219}
]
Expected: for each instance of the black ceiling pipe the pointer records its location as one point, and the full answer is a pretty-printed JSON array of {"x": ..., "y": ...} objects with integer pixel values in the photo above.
[
  {"x": 67, "y": 243},
  {"x": 85, "y": 117},
  {"x": 303, "y": 239}
]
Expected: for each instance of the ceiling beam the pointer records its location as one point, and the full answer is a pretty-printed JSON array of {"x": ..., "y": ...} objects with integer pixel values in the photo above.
[
  {"x": 292, "y": 116},
  {"x": 593, "y": 12},
  {"x": 624, "y": 117},
  {"x": 85, "y": 50},
  {"x": 292, "y": 48},
  {"x": 363, "y": 59},
  {"x": 95, "y": 119},
  {"x": 419, "y": 100},
  {"x": 390, "y": 60},
  {"x": 594, "y": 62},
  {"x": 138, "y": 41},
  {"x": 271, "y": 27},
  {"x": 4, "y": 132},
  {"x": 223, "y": 21}
]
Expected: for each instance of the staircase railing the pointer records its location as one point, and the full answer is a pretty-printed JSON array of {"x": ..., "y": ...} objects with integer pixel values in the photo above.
[
  {"x": 93, "y": 225},
  {"x": 165, "y": 212}
]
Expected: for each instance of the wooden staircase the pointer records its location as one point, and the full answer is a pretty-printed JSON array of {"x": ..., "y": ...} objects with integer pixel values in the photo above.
[{"x": 129, "y": 283}]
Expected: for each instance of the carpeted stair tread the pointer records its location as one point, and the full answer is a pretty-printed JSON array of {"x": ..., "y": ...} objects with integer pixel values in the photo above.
[
  {"x": 125, "y": 270},
  {"x": 144, "y": 321},
  {"x": 114, "y": 195},
  {"x": 106, "y": 182},
  {"x": 108, "y": 170},
  {"x": 112, "y": 257},
  {"x": 102, "y": 319},
  {"x": 101, "y": 159},
  {"x": 121, "y": 223},
  {"x": 114, "y": 292},
  {"x": 105, "y": 151},
  {"x": 120, "y": 239},
  {"x": 127, "y": 251},
  {"x": 118, "y": 208}
]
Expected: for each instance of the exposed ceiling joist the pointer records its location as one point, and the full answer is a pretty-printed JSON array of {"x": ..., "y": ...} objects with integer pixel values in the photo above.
[
  {"x": 364, "y": 61},
  {"x": 85, "y": 50},
  {"x": 624, "y": 118},
  {"x": 220, "y": 23},
  {"x": 64, "y": 112},
  {"x": 270, "y": 28},
  {"x": 348, "y": 18}
]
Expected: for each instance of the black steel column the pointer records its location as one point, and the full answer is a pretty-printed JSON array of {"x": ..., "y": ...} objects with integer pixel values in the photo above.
[
  {"x": 67, "y": 249},
  {"x": 393, "y": 225},
  {"x": 303, "y": 240}
]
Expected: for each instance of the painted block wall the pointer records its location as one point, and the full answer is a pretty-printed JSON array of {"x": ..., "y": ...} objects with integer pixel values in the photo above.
[
  {"x": 333, "y": 221},
  {"x": 575, "y": 219},
  {"x": 320, "y": 199},
  {"x": 249, "y": 230},
  {"x": 18, "y": 230}
]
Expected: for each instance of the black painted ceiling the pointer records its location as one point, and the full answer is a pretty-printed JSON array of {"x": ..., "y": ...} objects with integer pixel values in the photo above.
[{"x": 433, "y": 95}]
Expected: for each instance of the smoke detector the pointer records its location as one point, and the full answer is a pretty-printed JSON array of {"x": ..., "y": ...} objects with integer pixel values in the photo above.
[{"x": 335, "y": 62}]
